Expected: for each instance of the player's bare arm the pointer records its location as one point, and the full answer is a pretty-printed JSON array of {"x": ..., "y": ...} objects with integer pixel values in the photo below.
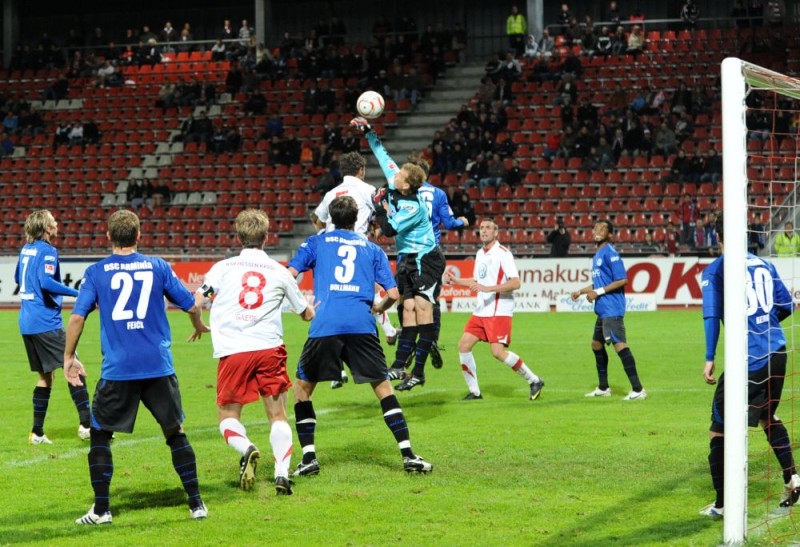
[
  {"x": 73, "y": 368},
  {"x": 392, "y": 296},
  {"x": 460, "y": 281},
  {"x": 509, "y": 286},
  {"x": 593, "y": 294},
  {"x": 196, "y": 317}
]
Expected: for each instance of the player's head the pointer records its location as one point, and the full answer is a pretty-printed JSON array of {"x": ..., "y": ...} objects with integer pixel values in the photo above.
[
  {"x": 420, "y": 162},
  {"x": 123, "y": 228},
  {"x": 252, "y": 227},
  {"x": 488, "y": 231},
  {"x": 409, "y": 178},
  {"x": 344, "y": 212},
  {"x": 352, "y": 164},
  {"x": 602, "y": 231},
  {"x": 40, "y": 224}
]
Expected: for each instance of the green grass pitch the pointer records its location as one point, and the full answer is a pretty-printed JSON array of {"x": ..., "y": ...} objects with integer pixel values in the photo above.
[{"x": 562, "y": 470}]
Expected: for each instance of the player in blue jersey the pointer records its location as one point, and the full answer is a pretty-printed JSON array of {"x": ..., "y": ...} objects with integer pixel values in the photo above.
[
  {"x": 768, "y": 303},
  {"x": 417, "y": 266},
  {"x": 346, "y": 267},
  {"x": 129, "y": 288},
  {"x": 607, "y": 291},
  {"x": 38, "y": 276}
]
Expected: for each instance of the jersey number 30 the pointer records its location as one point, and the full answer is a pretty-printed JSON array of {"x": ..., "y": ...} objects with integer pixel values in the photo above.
[{"x": 759, "y": 292}]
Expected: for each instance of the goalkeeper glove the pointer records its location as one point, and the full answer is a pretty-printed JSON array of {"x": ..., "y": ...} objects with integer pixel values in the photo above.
[
  {"x": 381, "y": 198},
  {"x": 361, "y": 124}
]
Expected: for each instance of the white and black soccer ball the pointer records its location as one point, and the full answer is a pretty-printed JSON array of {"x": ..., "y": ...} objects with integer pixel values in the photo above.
[{"x": 370, "y": 104}]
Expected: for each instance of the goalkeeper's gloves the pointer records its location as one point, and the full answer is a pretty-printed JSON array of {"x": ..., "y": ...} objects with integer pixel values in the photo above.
[
  {"x": 361, "y": 124},
  {"x": 381, "y": 198}
]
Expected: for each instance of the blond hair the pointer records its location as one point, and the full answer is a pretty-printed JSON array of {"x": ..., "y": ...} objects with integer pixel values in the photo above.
[
  {"x": 37, "y": 224},
  {"x": 123, "y": 228},
  {"x": 415, "y": 175},
  {"x": 252, "y": 227}
]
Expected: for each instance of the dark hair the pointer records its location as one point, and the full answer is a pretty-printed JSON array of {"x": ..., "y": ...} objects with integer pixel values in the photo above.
[
  {"x": 608, "y": 224},
  {"x": 351, "y": 163},
  {"x": 344, "y": 212}
]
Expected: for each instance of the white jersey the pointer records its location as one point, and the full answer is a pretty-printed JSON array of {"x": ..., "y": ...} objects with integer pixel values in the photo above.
[
  {"x": 357, "y": 189},
  {"x": 494, "y": 267},
  {"x": 246, "y": 312}
]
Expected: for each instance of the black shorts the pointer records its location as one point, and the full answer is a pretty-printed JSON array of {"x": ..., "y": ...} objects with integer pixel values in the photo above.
[
  {"x": 116, "y": 403},
  {"x": 609, "y": 330},
  {"x": 45, "y": 350},
  {"x": 322, "y": 358},
  {"x": 764, "y": 391},
  {"x": 423, "y": 278}
]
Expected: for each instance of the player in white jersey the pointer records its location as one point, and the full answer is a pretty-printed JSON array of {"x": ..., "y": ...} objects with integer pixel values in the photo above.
[
  {"x": 247, "y": 334},
  {"x": 354, "y": 167},
  {"x": 495, "y": 279}
]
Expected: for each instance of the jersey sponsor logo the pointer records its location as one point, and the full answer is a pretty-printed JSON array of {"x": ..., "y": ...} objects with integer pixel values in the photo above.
[
  {"x": 409, "y": 206},
  {"x": 49, "y": 258},
  {"x": 50, "y": 269},
  {"x": 614, "y": 259}
]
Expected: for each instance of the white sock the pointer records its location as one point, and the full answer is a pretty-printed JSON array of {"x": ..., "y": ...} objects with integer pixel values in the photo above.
[
  {"x": 383, "y": 319},
  {"x": 280, "y": 437},
  {"x": 235, "y": 435},
  {"x": 513, "y": 360},
  {"x": 470, "y": 371}
]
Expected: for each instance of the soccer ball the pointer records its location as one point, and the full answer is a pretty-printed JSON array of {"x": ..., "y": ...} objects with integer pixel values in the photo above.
[{"x": 370, "y": 104}]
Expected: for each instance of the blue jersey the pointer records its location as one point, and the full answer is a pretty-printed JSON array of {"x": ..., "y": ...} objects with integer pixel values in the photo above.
[
  {"x": 434, "y": 198},
  {"x": 346, "y": 267},
  {"x": 40, "y": 289},
  {"x": 135, "y": 336},
  {"x": 607, "y": 267},
  {"x": 768, "y": 301}
]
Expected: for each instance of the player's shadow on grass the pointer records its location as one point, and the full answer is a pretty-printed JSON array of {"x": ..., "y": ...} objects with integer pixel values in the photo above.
[
  {"x": 591, "y": 529},
  {"x": 124, "y": 499}
]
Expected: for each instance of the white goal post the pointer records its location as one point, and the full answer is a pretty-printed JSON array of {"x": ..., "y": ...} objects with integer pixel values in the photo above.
[{"x": 738, "y": 79}]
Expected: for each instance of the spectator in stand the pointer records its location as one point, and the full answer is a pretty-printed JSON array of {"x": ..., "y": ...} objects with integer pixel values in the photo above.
[
  {"x": 496, "y": 173},
  {"x": 618, "y": 101},
  {"x": 559, "y": 240},
  {"x": 756, "y": 235},
  {"x": 91, "y": 133},
  {"x": 516, "y": 28},
  {"x": 681, "y": 168},
  {"x": 234, "y": 79},
  {"x": 666, "y": 143},
  {"x": 612, "y": 14},
  {"x": 711, "y": 232},
  {"x": 515, "y": 175},
  {"x": 619, "y": 41},
  {"x": 713, "y": 167},
  {"x": 635, "y": 41},
  {"x": 58, "y": 90},
  {"x": 531, "y": 48},
  {"x": 547, "y": 45},
  {"x": 161, "y": 194},
  {"x": 146, "y": 35},
  {"x": 167, "y": 35},
  {"x": 699, "y": 241},
  {"x": 245, "y": 33},
  {"x": 6, "y": 145},
  {"x": 465, "y": 209},
  {"x": 567, "y": 88},
  {"x": 256, "y": 103},
  {"x": 774, "y": 13},
  {"x": 604, "y": 42},
  {"x": 649, "y": 244},
  {"x": 682, "y": 99},
  {"x": 687, "y": 217},
  {"x": 330, "y": 179},
  {"x": 684, "y": 126},
  {"x": 201, "y": 129},
  {"x": 698, "y": 166},
  {"x": 185, "y": 37},
  {"x": 219, "y": 51},
  {"x": 564, "y": 17},
  {"x": 226, "y": 32},
  {"x": 672, "y": 239},
  {"x": 494, "y": 67},
  {"x": 689, "y": 15},
  {"x": 76, "y": 135},
  {"x": 787, "y": 243},
  {"x": 477, "y": 170},
  {"x": 511, "y": 70}
]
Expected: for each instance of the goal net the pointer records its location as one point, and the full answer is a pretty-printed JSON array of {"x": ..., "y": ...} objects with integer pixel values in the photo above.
[{"x": 760, "y": 113}]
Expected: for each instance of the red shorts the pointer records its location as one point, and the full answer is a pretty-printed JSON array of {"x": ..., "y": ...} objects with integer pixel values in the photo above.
[
  {"x": 495, "y": 330},
  {"x": 243, "y": 377}
]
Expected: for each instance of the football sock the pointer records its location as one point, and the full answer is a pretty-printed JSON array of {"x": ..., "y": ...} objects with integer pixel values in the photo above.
[
  {"x": 629, "y": 364},
  {"x": 101, "y": 468},
  {"x": 41, "y": 399},
  {"x": 80, "y": 396},
  {"x": 517, "y": 365},
  {"x": 716, "y": 462},
  {"x": 405, "y": 346},
  {"x": 305, "y": 422},
  {"x": 601, "y": 360},
  {"x": 778, "y": 439},
  {"x": 470, "y": 371},
  {"x": 424, "y": 343},
  {"x": 185, "y": 464},
  {"x": 235, "y": 435},
  {"x": 383, "y": 319},
  {"x": 396, "y": 421},
  {"x": 280, "y": 437}
]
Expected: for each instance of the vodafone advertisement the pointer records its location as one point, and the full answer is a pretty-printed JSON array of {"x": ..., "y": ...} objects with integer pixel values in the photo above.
[{"x": 669, "y": 281}]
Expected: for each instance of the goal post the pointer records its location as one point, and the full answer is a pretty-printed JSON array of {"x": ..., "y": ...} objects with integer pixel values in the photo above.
[
  {"x": 734, "y": 197},
  {"x": 739, "y": 80}
]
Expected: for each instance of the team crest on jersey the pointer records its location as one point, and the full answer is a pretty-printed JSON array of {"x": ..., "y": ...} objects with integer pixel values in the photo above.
[
  {"x": 599, "y": 261},
  {"x": 482, "y": 270},
  {"x": 50, "y": 269}
]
